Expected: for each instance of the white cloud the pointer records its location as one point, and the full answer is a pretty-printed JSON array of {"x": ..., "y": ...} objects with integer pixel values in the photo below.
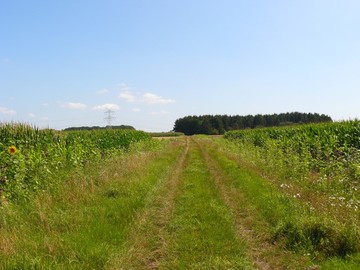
[
  {"x": 44, "y": 118},
  {"x": 150, "y": 98},
  {"x": 7, "y": 111},
  {"x": 46, "y": 104},
  {"x": 31, "y": 115},
  {"x": 108, "y": 106},
  {"x": 103, "y": 91},
  {"x": 160, "y": 113},
  {"x": 128, "y": 96},
  {"x": 147, "y": 98},
  {"x": 74, "y": 106},
  {"x": 126, "y": 93},
  {"x": 136, "y": 110}
]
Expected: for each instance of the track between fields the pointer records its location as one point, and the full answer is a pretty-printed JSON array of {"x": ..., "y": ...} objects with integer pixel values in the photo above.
[
  {"x": 147, "y": 240},
  {"x": 179, "y": 203},
  {"x": 194, "y": 218}
]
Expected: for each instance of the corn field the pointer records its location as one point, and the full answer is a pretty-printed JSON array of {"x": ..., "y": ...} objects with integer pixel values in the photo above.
[
  {"x": 30, "y": 156},
  {"x": 326, "y": 157},
  {"x": 318, "y": 165}
]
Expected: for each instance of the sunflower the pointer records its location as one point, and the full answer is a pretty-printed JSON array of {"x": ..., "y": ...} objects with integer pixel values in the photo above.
[{"x": 12, "y": 150}]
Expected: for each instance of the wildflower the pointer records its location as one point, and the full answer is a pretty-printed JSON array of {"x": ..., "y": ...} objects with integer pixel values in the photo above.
[
  {"x": 3, "y": 200},
  {"x": 12, "y": 150}
]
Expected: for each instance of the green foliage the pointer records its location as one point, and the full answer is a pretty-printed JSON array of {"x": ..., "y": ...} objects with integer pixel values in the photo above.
[
  {"x": 321, "y": 159},
  {"x": 97, "y": 128},
  {"x": 219, "y": 124},
  {"x": 318, "y": 237},
  {"x": 85, "y": 222},
  {"x": 30, "y": 156},
  {"x": 166, "y": 134},
  {"x": 331, "y": 150}
]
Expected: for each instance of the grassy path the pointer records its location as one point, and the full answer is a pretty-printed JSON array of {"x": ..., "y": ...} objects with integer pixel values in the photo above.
[
  {"x": 201, "y": 217},
  {"x": 201, "y": 232},
  {"x": 236, "y": 185},
  {"x": 234, "y": 200},
  {"x": 186, "y": 225},
  {"x": 188, "y": 205},
  {"x": 146, "y": 242}
]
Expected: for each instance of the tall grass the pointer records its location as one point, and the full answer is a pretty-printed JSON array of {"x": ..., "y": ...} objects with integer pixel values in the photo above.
[{"x": 84, "y": 221}]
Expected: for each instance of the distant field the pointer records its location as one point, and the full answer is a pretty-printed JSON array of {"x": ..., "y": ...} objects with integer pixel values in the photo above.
[
  {"x": 278, "y": 198},
  {"x": 165, "y": 134}
]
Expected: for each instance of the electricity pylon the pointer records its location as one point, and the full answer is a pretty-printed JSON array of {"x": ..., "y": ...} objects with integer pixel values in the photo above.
[{"x": 109, "y": 117}]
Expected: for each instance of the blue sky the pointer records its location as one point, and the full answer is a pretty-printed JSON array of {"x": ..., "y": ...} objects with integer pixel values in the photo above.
[{"x": 63, "y": 63}]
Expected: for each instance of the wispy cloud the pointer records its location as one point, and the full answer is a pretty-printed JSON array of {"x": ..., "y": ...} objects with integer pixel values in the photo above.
[
  {"x": 103, "y": 91},
  {"x": 150, "y": 98},
  {"x": 7, "y": 111},
  {"x": 160, "y": 113},
  {"x": 32, "y": 115},
  {"x": 74, "y": 106},
  {"x": 128, "y": 96},
  {"x": 6, "y": 61},
  {"x": 107, "y": 106},
  {"x": 136, "y": 110}
]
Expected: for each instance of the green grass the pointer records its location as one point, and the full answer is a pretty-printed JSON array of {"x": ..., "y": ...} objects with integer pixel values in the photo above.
[
  {"x": 202, "y": 231},
  {"x": 351, "y": 263},
  {"x": 145, "y": 241},
  {"x": 166, "y": 134},
  {"x": 30, "y": 157},
  {"x": 184, "y": 203},
  {"x": 322, "y": 158},
  {"x": 289, "y": 218},
  {"x": 88, "y": 219}
]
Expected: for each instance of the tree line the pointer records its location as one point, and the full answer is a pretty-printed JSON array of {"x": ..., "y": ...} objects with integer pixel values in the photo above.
[
  {"x": 219, "y": 124},
  {"x": 97, "y": 128}
]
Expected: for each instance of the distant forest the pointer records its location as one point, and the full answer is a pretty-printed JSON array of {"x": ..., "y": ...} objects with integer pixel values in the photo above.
[
  {"x": 96, "y": 127},
  {"x": 219, "y": 124}
]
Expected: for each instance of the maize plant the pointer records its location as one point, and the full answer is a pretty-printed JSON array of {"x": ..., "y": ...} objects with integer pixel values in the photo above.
[
  {"x": 328, "y": 152},
  {"x": 29, "y": 156}
]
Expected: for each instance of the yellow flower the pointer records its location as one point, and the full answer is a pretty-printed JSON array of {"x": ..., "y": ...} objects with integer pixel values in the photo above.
[
  {"x": 12, "y": 150},
  {"x": 3, "y": 200}
]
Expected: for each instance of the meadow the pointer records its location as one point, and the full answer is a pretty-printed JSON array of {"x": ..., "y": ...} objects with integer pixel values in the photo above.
[{"x": 267, "y": 198}]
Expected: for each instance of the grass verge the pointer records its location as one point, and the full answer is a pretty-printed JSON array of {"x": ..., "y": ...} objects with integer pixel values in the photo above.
[{"x": 86, "y": 221}]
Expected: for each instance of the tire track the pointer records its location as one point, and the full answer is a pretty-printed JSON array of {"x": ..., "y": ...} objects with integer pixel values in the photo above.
[
  {"x": 202, "y": 229},
  {"x": 257, "y": 244},
  {"x": 147, "y": 241}
]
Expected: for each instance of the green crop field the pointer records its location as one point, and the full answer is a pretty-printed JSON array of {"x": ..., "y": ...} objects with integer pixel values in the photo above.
[{"x": 267, "y": 198}]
